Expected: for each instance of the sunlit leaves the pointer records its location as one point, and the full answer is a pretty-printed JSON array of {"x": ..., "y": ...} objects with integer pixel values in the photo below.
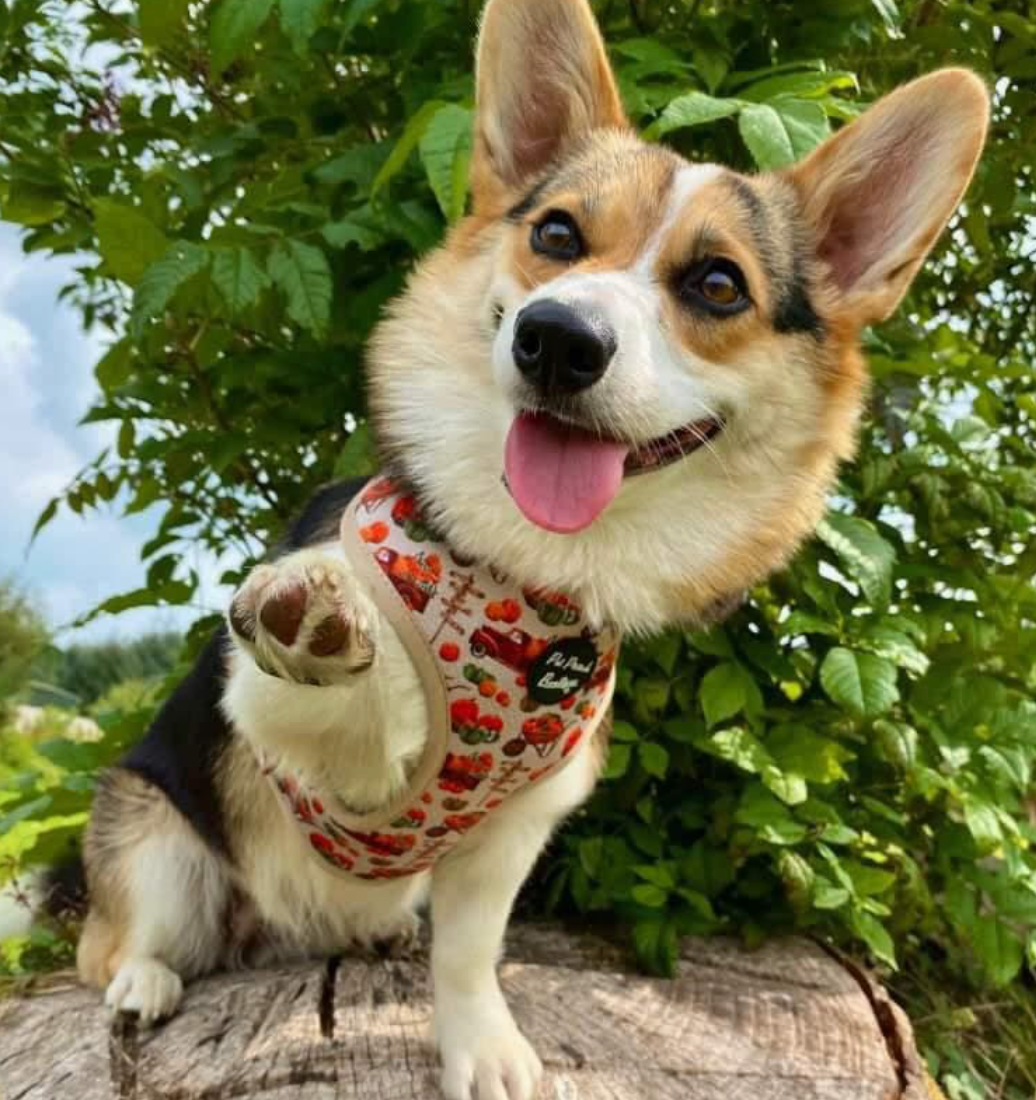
[
  {"x": 129, "y": 242},
  {"x": 862, "y": 683},
  {"x": 446, "y": 153},
  {"x": 694, "y": 109},
  {"x": 867, "y": 557}
]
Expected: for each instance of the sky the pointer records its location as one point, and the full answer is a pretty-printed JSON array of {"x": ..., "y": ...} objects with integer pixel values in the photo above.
[{"x": 46, "y": 385}]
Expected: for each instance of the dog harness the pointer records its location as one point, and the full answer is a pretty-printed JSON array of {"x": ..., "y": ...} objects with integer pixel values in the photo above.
[{"x": 515, "y": 680}]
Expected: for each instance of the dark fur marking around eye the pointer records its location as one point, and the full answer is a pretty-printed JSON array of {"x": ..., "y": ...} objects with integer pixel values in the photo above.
[
  {"x": 794, "y": 311},
  {"x": 758, "y": 221},
  {"x": 530, "y": 201}
]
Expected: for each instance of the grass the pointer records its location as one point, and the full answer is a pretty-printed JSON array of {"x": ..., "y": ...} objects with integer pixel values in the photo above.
[{"x": 978, "y": 1046}]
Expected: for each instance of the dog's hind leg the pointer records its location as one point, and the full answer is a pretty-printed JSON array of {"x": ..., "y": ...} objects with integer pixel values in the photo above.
[{"x": 159, "y": 899}]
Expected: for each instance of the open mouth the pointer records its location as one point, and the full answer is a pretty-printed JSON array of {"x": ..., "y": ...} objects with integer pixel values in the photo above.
[{"x": 562, "y": 477}]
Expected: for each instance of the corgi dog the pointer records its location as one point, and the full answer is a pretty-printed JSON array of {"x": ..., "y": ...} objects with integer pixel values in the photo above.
[{"x": 613, "y": 400}]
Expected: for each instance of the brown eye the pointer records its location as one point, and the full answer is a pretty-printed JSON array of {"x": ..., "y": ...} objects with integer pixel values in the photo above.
[
  {"x": 557, "y": 236},
  {"x": 720, "y": 288},
  {"x": 716, "y": 284}
]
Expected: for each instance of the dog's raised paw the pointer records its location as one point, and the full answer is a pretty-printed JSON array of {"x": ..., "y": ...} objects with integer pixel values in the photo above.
[
  {"x": 145, "y": 987},
  {"x": 303, "y": 620}
]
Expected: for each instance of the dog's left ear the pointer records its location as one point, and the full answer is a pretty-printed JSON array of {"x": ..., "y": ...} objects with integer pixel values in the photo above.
[
  {"x": 543, "y": 83},
  {"x": 878, "y": 194}
]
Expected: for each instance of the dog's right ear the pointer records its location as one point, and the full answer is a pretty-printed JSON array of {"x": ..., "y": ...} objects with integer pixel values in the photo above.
[{"x": 544, "y": 82}]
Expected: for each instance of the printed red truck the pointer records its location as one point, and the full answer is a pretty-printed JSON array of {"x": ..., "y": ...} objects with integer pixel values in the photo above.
[{"x": 515, "y": 649}]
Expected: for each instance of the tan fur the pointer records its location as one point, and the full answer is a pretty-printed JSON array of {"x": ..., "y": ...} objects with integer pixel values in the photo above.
[
  {"x": 562, "y": 89},
  {"x": 933, "y": 130}
]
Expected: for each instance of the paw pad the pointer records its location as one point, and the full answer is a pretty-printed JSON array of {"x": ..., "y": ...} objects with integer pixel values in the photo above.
[
  {"x": 283, "y": 612},
  {"x": 330, "y": 636}
]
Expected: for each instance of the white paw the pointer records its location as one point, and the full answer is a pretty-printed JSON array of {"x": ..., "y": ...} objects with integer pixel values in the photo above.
[
  {"x": 146, "y": 987},
  {"x": 484, "y": 1055},
  {"x": 304, "y": 619}
]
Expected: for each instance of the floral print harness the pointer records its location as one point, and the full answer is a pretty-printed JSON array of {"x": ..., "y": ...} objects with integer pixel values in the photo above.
[{"x": 515, "y": 680}]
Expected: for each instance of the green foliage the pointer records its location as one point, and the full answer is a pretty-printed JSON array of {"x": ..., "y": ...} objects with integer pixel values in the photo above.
[
  {"x": 91, "y": 671},
  {"x": 47, "y": 780},
  {"x": 22, "y": 638},
  {"x": 853, "y": 752}
]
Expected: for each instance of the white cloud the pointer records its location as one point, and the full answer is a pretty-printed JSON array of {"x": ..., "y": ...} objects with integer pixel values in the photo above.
[{"x": 46, "y": 384}]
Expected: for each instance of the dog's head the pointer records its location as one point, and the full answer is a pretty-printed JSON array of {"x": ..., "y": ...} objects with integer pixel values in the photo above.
[{"x": 632, "y": 376}]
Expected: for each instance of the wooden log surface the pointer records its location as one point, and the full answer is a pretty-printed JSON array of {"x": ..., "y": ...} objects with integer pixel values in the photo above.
[{"x": 787, "y": 1022}]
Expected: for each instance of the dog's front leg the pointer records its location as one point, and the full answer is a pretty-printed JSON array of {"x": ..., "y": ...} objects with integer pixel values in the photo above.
[{"x": 483, "y": 1052}]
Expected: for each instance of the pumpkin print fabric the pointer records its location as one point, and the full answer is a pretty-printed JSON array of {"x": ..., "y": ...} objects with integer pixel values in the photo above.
[{"x": 515, "y": 681}]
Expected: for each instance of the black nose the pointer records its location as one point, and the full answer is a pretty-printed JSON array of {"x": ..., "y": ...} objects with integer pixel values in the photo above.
[{"x": 558, "y": 350}]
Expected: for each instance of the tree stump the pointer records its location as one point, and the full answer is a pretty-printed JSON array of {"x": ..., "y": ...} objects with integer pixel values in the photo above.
[{"x": 788, "y": 1022}]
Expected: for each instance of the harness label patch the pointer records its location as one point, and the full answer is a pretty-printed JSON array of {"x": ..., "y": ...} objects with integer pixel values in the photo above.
[{"x": 561, "y": 670}]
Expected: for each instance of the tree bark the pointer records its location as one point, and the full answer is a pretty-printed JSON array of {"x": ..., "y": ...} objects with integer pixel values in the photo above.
[{"x": 788, "y": 1022}]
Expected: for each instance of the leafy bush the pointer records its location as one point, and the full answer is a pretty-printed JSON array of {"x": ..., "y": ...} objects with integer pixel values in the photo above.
[
  {"x": 246, "y": 186},
  {"x": 22, "y": 638},
  {"x": 91, "y": 670}
]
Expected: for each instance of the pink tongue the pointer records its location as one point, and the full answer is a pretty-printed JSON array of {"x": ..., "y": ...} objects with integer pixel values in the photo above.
[{"x": 562, "y": 478}]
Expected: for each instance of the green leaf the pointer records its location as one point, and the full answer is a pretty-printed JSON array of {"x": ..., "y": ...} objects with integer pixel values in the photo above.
[
  {"x": 798, "y": 878},
  {"x": 867, "y": 557},
  {"x": 361, "y": 228},
  {"x": 805, "y": 122},
  {"x": 654, "y": 759},
  {"x": 861, "y": 682},
  {"x": 161, "y": 20},
  {"x": 163, "y": 279},
  {"x": 898, "y": 743},
  {"x": 115, "y": 366},
  {"x": 656, "y": 945},
  {"x": 446, "y": 154},
  {"x": 983, "y": 824},
  {"x": 898, "y": 647},
  {"x": 769, "y": 816},
  {"x": 129, "y": 241},
  {"x": 234, "y": 26},
  {"x": 357, "y": 11},
  {"x": 239, "y": 277},
  {"x": 693, "y": 109},
  {"x": 407, "y": 143},
  {"x": 802, "y": 622},
  {"x": 787, "y": 786},
  {"x": 300, "y": 20},
  {"x": 618, "y": 761},
  {"x": 998, "y": 948},
  {"x": 303, "y": 273},
  {"x": 741, "y": 748},
  {"x": 357, "y": 458},
  {"x": 654, "y": 897},
  {"x": 875, "y": 936},
  {"x": 48, "y": 513},
  {"x": 32, "y": 205},
  {"x": 779, "y": 88},
  {"x": 726, "y": 690},
  {"x": 889, "y": 12},
  {"x": 801, "y": 751},
  {"x": 766, "y": 136}
]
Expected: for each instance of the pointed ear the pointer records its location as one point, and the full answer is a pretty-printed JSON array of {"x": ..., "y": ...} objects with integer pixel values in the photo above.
[
  {"x": 543, "y": 82},
  {"x": 878, "y": 194}
]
